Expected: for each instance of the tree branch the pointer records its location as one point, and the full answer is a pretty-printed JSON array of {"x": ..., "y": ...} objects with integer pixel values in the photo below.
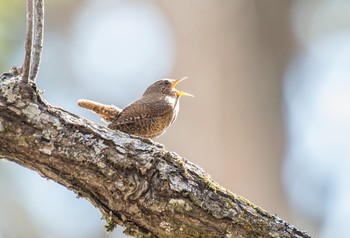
[
  {"x": 38, "y": 38},
  {"x": 134, "y": 182},
  {"x": 28, "y": 41}
]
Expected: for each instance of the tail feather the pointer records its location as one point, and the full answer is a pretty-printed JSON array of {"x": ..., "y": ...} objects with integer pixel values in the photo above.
[{"x": 108, "y": 113}]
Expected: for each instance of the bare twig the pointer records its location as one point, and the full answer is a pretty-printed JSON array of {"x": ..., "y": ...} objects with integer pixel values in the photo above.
[
  {"x": 29, "y": 40},
  {"x": 38, "y": 38}
]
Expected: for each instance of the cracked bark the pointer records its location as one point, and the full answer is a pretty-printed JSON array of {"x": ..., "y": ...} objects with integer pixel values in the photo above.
[{"x": 134, "y": 182}]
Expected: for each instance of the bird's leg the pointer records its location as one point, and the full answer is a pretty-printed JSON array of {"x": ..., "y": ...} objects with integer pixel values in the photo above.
[{"x": 108, "y": 113}]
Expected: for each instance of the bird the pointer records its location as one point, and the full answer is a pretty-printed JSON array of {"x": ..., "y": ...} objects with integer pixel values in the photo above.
[{"x": 147, "y": 117}]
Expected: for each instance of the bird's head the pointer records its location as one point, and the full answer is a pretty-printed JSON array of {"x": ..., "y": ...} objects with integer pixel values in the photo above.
[{"x": 166, "y": 87}]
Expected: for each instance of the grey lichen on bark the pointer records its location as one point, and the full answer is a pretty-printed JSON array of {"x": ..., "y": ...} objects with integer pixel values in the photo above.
[{"x": 134, "y": 182}]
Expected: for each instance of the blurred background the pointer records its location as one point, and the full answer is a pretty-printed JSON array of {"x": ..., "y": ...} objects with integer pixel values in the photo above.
[{"x": 271, "y": 116}]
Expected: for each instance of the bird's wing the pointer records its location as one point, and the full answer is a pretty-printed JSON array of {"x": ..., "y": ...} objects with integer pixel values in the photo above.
[
  {"x": 140, "y": 110},
  {"x": 147, "y": 118}
]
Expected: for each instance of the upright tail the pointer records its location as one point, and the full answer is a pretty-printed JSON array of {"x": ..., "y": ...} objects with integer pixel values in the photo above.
[{"x": 108, "y": 113}]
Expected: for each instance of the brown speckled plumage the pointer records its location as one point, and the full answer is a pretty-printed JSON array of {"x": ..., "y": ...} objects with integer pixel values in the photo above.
[{"x": 147, "y": 117}]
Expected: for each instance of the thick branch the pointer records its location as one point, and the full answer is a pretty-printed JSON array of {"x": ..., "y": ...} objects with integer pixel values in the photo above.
[{"x": 134, "y": 182}]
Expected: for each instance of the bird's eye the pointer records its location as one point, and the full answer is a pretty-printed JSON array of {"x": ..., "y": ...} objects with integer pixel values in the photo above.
[{"x": 166, "y": 82}]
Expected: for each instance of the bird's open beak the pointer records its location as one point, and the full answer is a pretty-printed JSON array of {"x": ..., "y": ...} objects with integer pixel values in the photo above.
[{"x": 180, "y": 93}]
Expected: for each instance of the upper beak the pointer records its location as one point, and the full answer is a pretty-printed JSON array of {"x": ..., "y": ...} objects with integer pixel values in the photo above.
[{"x": 180, "y": 93}]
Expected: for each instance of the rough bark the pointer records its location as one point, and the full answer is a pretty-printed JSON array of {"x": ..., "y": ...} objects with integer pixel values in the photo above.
[{"x": 134, "y": 182}]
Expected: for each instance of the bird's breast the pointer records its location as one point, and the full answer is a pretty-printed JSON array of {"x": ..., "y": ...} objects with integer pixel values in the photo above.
[{"x": 174, "y": 103}]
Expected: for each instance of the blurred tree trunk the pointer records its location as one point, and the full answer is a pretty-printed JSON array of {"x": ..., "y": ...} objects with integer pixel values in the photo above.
[{"x": 235, "y": 53}]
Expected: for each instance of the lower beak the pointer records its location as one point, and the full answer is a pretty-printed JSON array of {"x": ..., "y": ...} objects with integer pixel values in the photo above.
[{"x": 180, "y": 93}]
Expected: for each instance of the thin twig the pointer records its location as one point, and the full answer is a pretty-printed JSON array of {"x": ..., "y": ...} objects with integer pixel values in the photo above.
[
  {"x": 38, "y": 38},
  {"x": 29, "y": 40}
]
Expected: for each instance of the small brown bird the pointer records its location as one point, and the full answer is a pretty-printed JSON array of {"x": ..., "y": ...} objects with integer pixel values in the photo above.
[{"x": 147, "y": 117}]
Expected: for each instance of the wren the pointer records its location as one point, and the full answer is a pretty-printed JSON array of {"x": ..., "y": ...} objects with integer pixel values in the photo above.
[{"x": 148, "y": 117}]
